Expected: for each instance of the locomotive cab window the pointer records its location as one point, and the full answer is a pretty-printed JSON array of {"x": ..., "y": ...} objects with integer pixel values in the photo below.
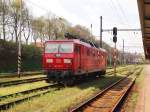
[
  {"x": 58, "y": 47},
  {"x": 51, "y": 48}
]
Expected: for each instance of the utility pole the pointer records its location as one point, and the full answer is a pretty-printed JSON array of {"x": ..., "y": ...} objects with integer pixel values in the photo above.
[
  {"x": 115, "y": 59},
  {"x": 123, "y": 54},
  {"x": 101, "y": 32},
  {"x": 110, "y": 55},
  {"x": 19, "y": 43}
]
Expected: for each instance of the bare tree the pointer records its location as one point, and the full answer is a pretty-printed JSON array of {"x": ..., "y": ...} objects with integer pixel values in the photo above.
[
  {"x": 57, "y": 26},
  {"x": 27, "y": 27},
  {"x": 4, "y": 10},
  {"x": 34, "y": 27},
  {"x": 11, "y": 32},
  {"x": 35, "y": 37},
  {"x": 48, "y": 26},
  {"x": 18, "y": 15}
]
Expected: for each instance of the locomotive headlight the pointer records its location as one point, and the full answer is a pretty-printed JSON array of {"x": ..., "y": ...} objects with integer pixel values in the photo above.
[
  {"x": 67, "y": 60},
  {"x": 49, "y": 60}
]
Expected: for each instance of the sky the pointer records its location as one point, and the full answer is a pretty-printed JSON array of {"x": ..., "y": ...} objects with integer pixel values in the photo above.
[{"x": 122, "y": 14}]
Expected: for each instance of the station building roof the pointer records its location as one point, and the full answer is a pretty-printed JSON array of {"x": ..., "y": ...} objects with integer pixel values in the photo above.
[{"x": 144, "y": 14}]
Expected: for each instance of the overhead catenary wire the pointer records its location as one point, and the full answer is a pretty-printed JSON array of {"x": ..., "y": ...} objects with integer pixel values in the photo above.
[
  {"x": 124, "y": 14},
  {"x": 42, "y": 8},
  {"x": 116, "y": 10},
  {"x": 118, "y": 17},
  {"x": 121, "y": 14}
]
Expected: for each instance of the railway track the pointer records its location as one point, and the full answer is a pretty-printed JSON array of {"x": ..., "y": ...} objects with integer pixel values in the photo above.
[
  {"x": 9, "y": 100},
  {"x": 11, "y": 75},
  {"x": 15, "y": 82},
  {"x": 109, "y": 99},
  {"x": 18, "y": 97},
  {"x": 30, "y": 80}
]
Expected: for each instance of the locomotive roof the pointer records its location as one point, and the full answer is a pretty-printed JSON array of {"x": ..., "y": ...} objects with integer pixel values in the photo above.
[{"x": 76, "y": 41}]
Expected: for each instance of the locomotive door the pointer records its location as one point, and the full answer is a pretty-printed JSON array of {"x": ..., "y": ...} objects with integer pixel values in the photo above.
[{"x": 78, "y": 58}]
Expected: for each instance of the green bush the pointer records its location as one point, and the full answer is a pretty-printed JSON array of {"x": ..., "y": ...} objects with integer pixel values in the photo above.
[{"x": 31, "y": 57}]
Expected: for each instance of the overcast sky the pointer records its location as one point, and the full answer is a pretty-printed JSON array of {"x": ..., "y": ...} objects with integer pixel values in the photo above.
[{"x": 119, "y": 13}]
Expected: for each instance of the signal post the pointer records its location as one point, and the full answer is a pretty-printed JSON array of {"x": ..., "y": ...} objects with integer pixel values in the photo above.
[{"x": 115, "y": 50}]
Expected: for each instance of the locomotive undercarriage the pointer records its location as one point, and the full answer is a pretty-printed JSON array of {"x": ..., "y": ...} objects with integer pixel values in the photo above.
[
  {"x": 63, "y": 77},
  {"x": 68, "y": 78}
]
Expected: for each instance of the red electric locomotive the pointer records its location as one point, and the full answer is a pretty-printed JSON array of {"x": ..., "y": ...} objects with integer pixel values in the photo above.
[{"x": 66, "y": 60}]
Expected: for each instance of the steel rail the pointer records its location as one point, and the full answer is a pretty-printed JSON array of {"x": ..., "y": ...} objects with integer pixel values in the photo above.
[
  {"x": 15, "y": 82},
  {"x": 11, "y": 75},
  {"x": 87, "y": 103},
  {"x": 26, "y": 91},
  {"x": 124, "y": 95}
]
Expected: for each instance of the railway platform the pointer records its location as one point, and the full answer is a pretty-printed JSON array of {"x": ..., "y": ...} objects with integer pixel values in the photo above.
[{"x": 144, "y": 96}]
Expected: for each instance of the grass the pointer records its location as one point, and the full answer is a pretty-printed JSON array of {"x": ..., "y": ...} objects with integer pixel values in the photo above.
[
  {"x": 134, "y": 97},
  {"x": 135, "y": 93},
  {"x": 118, "y": 70},
  {"x": 65, "y": 98}
]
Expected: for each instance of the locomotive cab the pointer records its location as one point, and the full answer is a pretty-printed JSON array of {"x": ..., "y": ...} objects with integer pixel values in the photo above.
[{"x": 58, "y": 59}]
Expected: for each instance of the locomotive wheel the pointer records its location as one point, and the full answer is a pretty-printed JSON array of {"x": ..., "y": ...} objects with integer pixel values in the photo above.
[
  {"x": 103, "y": 72},
  {"x": 48, "y": 77},
  {"x": 47, "y": 81},
  {"x": 70, "y": 82}
]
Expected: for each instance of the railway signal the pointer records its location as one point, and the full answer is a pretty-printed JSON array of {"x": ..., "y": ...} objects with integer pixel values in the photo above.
[
  {"x": 115, "y": 50},
  {"x": 114, "y": 39},
  {"x": 114, "y": 30},
  {"x": 115, "y": 34}
]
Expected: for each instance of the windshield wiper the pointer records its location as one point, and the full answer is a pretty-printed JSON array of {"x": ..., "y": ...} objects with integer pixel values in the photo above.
[{"x": 59, "y": 48}]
